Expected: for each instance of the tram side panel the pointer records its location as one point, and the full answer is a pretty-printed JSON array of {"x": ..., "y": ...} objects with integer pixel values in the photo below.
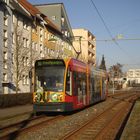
[
  {"x": 97, "y": 87},
  {"x": 79, "y": 84}
]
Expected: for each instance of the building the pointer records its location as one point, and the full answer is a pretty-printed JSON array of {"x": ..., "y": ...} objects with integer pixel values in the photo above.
[
  {"x": 5, "y": 31},
  {"x": 15, "y": 37},
  {"x": 26, "y": 34},
  {"x": 85, "y": 42},
  {"x": 57, "y": 14},
  {"x": 133, "y": 76}
]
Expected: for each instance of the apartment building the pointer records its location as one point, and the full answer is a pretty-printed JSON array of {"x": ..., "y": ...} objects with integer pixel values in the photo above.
[
  {"x": 4, "y": 47},
  {"x": 85, "y": 42},
  {"x": 57, "y": 14},
  {"x": 24, "y": 28},
  {"x": 15, "y": 39},
  {"x": 133, "y": 76}
]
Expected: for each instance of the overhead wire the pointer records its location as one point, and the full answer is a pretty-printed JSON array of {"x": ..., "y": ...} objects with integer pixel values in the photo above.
[{"x": 108, "y": 30}]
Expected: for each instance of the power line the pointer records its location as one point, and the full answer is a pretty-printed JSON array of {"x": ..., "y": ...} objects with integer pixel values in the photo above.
[
  {"x": 123, "y": 39},
  {"x": 109, "y": 32},
  {"x": 102, "y": 19}
]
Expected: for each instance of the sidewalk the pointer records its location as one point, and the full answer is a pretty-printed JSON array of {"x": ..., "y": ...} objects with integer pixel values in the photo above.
[
  {"x": 14, "y": 111},
  {"x": 132, "y": 128}
]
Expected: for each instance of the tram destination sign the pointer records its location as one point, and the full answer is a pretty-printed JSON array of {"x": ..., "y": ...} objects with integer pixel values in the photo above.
[{"x": 49, "y": 62}]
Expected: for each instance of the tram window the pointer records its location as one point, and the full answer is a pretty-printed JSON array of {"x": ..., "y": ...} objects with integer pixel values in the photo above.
[
  {"x": 97, "y": 85},
  {"x": 75, "y": 83},
  {"x": 68, "y": 82},
  {"x": 79, "y": 83},
  {"x": 92, "y": 85}
]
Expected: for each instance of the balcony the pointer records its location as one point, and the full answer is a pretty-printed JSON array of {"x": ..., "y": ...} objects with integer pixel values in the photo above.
[
  {"x": 91, "y": 51},
  {"x": 93, "y": 42},
  {"x": 91, "y": 59}
]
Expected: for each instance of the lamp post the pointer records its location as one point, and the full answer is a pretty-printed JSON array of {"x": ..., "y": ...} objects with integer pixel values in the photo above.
[{"x": 113, "y": 82}]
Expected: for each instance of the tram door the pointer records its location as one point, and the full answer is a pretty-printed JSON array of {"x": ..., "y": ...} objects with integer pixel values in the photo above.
[{"x": 79, "y": 87}]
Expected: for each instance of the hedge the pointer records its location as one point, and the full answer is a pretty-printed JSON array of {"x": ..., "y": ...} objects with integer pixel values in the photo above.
[{"x": 9, "y": 100}]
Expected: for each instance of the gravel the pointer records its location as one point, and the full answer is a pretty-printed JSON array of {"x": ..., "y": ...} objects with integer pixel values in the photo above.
[{"x": 71, "y": 122}]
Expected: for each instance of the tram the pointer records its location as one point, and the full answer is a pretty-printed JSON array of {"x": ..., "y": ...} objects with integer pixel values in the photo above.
[{"x": 63, "y": 85}]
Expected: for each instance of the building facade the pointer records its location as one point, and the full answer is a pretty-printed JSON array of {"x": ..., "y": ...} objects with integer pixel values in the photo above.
[
  {"x": 16, "y": 37},
  {"x": 57, "y": 14},
  {"x": 26, "y": 34},
  {"x": 5, "y": 31},
  {"x": 133, "y": 76},
  {"x": 85, "y": 42}
]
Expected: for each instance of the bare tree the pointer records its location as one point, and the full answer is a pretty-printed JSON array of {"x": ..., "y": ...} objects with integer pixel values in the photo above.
[
  {"x": 116, "y": 70},
  {"x": 20, "y": 57}
]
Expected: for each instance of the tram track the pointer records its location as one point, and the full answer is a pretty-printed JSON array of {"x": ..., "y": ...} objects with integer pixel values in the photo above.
[
  {"x": 105, "y": 125},
  {"x": 60, "y": 127},
  {"x": 31, "y": 124}
]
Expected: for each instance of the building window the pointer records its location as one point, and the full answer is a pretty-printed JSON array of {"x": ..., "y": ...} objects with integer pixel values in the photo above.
[
  {"x": 33, "y": 45},
  {"x": 41, "y": 47},
  {"x": 62, "y": 20},
  {"x": 53, "y": 18},
  {"x": 6, "y": 1},
  {"x": 5, "y": 55},
  {"x": 24, "y": 42},
  {"x": 41, "y": 31},
  {"x": 13, "y": 18},
  {"x": 66, "y": 33},
  {"x": 13, "y": 38},
  {"x": 27, "y": 61},
  {"x": 5, "y": 43},
  {"x": 5, "y": 34},
  {"x": 33, "y": 30},
  {"x": 12, "y": 58},
  {"x": 18, "y": 22},
  {"x": 27, "y": 80},
  {"x": 23, "y": 80},
  {"x": 41, "y": 34},
  {"x": 41, "y": 38},
  {"x": 5, "y": 18},
  {"x": 5, "y": 65},
  {"x": 137, "y": 73},
  {"x": 45, "y": 34},
  {"x": 41, "y": 50},
  {"x": 28, "y": 27},
  {"x": 27, "y": 43},
  {"x": 24, "y": 24},
  {"x": 23, "y": 60},
  {"x": 4, "y": 76},
  {"x": 12, "y": 77}
]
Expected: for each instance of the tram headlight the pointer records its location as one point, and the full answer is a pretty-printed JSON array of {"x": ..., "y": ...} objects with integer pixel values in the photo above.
[
  {"x": 54, "y": 97},
  {"x": 38, "y": 95}
]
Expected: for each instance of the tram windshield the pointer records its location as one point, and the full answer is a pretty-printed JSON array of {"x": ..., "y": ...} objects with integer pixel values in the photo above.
[{"x": 50, "y": 78}]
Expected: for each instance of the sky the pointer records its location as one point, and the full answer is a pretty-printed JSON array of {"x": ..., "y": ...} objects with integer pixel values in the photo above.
[{"x": 107, "y": 20}]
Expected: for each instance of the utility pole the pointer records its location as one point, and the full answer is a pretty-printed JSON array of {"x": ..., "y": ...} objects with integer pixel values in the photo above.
[
  {"x": 78, "y": 53},
  {"x": 113, "y": 82}
]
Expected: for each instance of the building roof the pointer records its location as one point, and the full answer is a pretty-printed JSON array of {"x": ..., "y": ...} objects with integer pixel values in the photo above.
[
  {"x": 63, "y": 13},
  {"x": 29, "y": 7},
  {"x": 35, "y": 12}
]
